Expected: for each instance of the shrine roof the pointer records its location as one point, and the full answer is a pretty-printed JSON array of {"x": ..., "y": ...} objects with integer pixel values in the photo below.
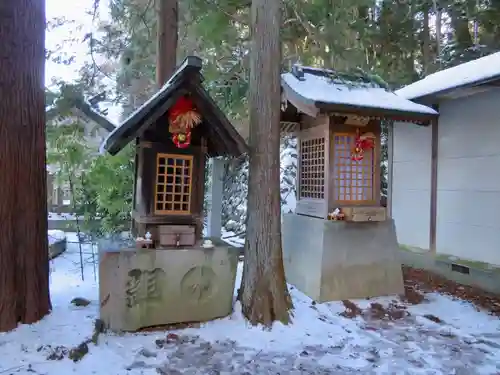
[
  {"x": 315, "y": 91},
  {"x": 222, "y": 138},
  {"x": 473, "y": 73},
  {"x": 83, "y": 107}
]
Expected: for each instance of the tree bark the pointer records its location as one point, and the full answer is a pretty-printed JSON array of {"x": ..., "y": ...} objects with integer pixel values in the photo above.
[
  {"x": 426, "y": 43},
  {"x": 166, "y": 53},
  {"x": 166, "y": 57},
  {"x": 438, "y": 24},
  {"x": 460, "y": 26},
  {"x": 264, "y": 295},
  {"x": 24, "y": 263}
]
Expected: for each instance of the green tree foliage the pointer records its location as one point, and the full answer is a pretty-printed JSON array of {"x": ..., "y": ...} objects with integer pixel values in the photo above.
[
  {"x": 394, "y": 43},
  {"x": 101, "y": 185},
  {"x": 395, "y": 40}
]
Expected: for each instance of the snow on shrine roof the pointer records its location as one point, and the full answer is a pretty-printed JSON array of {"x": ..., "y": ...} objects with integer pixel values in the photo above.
[
  {"x": 317, "y": 87},
  {"x": 222, "y": 138},
  {"x": 474, "y": 72}
]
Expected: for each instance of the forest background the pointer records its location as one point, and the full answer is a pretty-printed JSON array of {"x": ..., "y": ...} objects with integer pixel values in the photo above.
[{"x": 393, "y": 42}]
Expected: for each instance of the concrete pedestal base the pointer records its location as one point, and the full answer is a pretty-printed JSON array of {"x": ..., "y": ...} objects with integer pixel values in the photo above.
[
  {"x": 335, "y": 260},
  {"x": 142, "y": 288}
]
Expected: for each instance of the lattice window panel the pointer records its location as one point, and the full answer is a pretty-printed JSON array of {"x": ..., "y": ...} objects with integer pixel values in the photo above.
[
  {"x": 312, "y": 168},
  {"x": 173, "y": 184},
  {"x": 354, "y": 180}
]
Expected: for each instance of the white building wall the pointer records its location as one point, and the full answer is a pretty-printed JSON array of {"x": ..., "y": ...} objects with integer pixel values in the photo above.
[
  {"x": 468, "y": 202},
  {"x": 412, "y": 183}
]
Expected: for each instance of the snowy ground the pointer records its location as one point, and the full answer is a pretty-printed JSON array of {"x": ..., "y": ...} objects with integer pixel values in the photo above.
[
  {"x": 320, "y": 341},
  {"x": 55, "y": 235},
  {"x": 62, "y": 216}
]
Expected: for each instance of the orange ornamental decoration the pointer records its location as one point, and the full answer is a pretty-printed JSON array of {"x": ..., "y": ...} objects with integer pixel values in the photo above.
[
  {"x": 182, "y": 118},
  {"x": 182, "y": 140},
  {"x": 362, "y": 143}
]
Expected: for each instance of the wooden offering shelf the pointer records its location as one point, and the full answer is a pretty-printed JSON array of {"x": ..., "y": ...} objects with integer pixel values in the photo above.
[{"x": 363, "y": 214}]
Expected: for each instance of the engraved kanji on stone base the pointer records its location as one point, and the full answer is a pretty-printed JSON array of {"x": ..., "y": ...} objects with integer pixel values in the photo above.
[
  {"x": 199, "y": 284},
  {"x": 144, "y": 286}
]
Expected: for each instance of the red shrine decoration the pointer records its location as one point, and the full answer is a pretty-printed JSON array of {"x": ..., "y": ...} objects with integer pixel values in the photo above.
[
  {"x": 182, "y": 117},
  {"x": 182, "y": 140},
  {"x": 362, "y": 143}
]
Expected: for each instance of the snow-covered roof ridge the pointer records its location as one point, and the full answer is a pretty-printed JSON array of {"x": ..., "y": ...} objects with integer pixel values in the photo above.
[
  {"x": 317, "y": 87},
  {"x": 470, "y": 73},
  {"x": 222, "y": 138}
]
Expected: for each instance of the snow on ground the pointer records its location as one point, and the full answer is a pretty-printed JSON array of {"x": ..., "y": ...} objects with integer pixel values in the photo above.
[
  {"x": 232, "y": 238},
  {"x": 62, "y": 216},
  {"x": 55, "y": 235},
  {"x": 320, "y": 340}
]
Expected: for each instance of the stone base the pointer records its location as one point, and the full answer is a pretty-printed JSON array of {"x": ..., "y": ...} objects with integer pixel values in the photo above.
[
  {"x": 335, "y": 260},
  {"x": 141, "y": 288},
  {"x": 57, "y": 248}
]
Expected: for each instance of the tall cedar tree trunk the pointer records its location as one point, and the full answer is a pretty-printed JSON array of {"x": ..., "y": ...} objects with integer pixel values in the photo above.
[
  {"x": 166, "y": 54},
  {"x": 24, "y": 263},
  {"x": 264, "y": 295},
  {"x": 426, "y": 43},
  {"x": 460, "y": 26},
  {"x": 438, "y": 25},
  {"x": 166, "y": 51}
]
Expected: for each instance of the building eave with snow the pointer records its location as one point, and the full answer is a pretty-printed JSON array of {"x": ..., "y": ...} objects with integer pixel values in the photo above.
[
  {"x": 95, "y": 127},
  {"x": 317, "y": 92},
  {"x": 463, "y": 80},
  {"x": 445, "y": 186}
]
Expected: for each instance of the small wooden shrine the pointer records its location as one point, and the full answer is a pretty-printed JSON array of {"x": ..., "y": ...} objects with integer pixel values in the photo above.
[
  {"x": 339, "y": 220},
  {"x": 175, "y": 131},
  {"x": 171, "y": 274}
]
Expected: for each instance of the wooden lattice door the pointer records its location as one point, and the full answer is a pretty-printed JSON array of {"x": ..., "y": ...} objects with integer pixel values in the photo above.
[
  {"x": 173, "y": 184},
  {"x": 353, "y": 180}
]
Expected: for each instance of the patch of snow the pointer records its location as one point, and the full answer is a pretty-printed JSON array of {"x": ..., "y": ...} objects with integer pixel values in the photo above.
[
  {"x": 288, "y": 165},
  {"x": 318, "y": 88},
  {"x": 290, "y": 204},
  {"x": 61, "y": 216},
  {"x": 318, "y": 341},
  {"x": 468, "y": 73},
  {"x": 55, "y": 235},
  {"x": 232, "y": 239},
  {"x": 52, "y": 168}
]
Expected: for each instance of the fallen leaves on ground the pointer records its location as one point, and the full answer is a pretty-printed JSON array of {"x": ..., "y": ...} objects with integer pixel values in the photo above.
[
  {"x": 417, "y": 282},
  {"x": 376, "y": 311},
  {"x": 420, "y": 280},
  {"x": 351, "y": 309}
]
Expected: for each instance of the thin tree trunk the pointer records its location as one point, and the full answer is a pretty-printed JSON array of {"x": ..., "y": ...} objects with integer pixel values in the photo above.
[
  {"x": 77, "y": 221},
  {"x": 166, "y": 53},
  {"x": 24, "y": 256},
  {"x": 426, "y": 45},
  {"x": 264, "y": 295},
  {"x": 437, "y": 10},
  {"x": 460, "y": 26}
]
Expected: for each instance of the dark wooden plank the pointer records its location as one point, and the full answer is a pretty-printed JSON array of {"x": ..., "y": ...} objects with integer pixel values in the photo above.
[
  {"x": 434, "y": 185},
  {"x": 165, "y": 219},
  {"x": 390, "y": 166}
]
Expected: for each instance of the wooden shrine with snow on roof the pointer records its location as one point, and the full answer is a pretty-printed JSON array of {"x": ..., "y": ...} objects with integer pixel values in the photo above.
[
  {"x": 175, "y": 131},
  {"x": 170, "y": 274},
  {"x": 341, "y": 243}
]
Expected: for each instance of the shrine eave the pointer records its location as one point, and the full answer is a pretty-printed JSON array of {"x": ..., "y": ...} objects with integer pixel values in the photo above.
[
  {"x": 312, "y": 91},
  {"x": 222, "y": 138},
  {"x": 375, "y": 113}
]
